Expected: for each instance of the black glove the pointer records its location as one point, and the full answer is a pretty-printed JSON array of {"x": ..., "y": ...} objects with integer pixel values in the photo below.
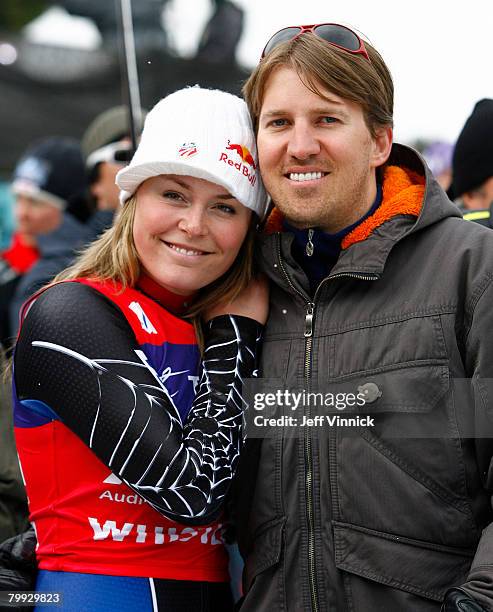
[
  {"x": 18, "y": 567},
  {"x": 457, "y": 600}
]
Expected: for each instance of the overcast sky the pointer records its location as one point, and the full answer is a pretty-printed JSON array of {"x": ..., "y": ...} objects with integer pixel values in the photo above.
[{"x": 440, "y": 52}]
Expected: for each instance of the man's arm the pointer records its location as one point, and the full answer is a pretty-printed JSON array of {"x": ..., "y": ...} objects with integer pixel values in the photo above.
[{"x": 479, "y": 367}]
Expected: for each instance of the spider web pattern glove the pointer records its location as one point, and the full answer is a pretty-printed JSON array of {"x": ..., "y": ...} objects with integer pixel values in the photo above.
[
  {"x": 457, "y": 600},
  {"x": 214, "y": 428}
]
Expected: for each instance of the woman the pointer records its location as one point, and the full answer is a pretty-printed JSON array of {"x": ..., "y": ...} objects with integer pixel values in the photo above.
[{"x": 126, "y": 466}]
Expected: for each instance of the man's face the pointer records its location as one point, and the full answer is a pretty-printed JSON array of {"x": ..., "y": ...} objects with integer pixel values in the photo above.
[
  {"x": 35, "y": 217},
  {"x": 104, "y": 189},
  {"x": 317, "y": 157},
  {"x": 480, "y": 198}
]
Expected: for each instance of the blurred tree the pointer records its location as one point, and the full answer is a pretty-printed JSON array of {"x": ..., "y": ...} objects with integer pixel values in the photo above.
[
  {"x": 14, "y": 14},
  {"x": 146, "y": 17},
  {"x": 221, "y": 34}
]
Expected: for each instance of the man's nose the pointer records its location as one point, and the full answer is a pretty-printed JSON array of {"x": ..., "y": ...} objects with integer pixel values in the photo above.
[
  {"x": 194, "y": 222},
  {"x": 303, "y": 142}
]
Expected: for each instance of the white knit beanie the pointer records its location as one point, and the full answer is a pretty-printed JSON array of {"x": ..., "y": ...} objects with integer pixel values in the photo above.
[{"x": 202, "y": 133}]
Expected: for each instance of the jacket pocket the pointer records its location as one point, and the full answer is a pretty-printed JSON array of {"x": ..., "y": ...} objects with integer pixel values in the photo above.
[
  {"x": 387, "y": 344},
  {"x": 415, "y": 566},
  {"x": 266, "y": 551},
  {"x": 415, "y": 387},
  {"x": 406, "y": 473}
]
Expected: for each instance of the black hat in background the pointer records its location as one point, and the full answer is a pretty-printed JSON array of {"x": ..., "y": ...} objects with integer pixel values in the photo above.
[
  {"x": 472, "y": 162},
  {"x": 51, "y": 170}
]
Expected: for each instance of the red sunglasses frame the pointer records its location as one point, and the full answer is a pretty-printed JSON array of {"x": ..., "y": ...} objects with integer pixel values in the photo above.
[{"x": 312, "y": 28}]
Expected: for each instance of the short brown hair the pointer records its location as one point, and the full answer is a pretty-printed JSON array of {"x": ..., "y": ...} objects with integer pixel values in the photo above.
[{"x": 350, "y": 76}]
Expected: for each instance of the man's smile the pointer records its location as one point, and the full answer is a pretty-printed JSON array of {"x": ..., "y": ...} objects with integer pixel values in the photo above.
[{"x": 301, "y": 177}]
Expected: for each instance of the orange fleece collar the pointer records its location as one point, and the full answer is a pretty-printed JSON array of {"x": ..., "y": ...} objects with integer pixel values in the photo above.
[{"x": 402, "y": 194}]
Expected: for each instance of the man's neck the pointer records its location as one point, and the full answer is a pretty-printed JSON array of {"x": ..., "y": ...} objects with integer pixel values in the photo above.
[{"x": 317, "y": 251}]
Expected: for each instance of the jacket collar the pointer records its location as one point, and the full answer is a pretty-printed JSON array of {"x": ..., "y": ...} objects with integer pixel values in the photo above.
[{"x": 412, "y": 199}]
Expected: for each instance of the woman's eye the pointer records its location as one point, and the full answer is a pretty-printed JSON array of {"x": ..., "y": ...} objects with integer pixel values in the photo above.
[
  {"x": 226, "y": 208},
  {"x": 172, "y": 195}
]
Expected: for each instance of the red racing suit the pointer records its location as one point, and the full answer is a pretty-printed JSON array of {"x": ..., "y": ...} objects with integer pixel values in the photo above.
[{"x": 125, "y": 471}]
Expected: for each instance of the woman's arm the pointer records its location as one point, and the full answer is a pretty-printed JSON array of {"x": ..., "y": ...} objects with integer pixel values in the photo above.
[{"x": 78, "y": 355}]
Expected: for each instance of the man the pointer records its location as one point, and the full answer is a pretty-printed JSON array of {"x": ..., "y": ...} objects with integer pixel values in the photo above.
[
  {"x": 103, "y": 165},
  {"x": 45, "y": 179},
  {"x": 107, "y": 148},
  {"x": 52, "y": 213},
  {"x": 380, "y": 288},
  {"x": 472, "y": 165}
]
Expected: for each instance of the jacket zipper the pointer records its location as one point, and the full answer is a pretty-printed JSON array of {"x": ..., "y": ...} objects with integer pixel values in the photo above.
[
  {"x": 309, "y": 249},
  {"x": 307, "y": 442},
  {"x": 309, "y": 318}
]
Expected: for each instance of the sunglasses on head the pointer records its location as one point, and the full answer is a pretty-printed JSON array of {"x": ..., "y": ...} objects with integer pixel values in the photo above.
[{"x": 334, "y": 34}]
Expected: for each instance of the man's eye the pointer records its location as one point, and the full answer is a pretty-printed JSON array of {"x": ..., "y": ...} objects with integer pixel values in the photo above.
[{"x": 329, "y": 120}]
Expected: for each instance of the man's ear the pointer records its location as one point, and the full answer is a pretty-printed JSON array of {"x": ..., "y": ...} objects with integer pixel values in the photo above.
[{"x": 382, "y": 146}]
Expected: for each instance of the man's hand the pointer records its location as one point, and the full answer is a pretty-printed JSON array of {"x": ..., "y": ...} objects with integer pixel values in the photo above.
[
  {"x": 252, "y": 302},
  {"x": 457, "y": 600}
]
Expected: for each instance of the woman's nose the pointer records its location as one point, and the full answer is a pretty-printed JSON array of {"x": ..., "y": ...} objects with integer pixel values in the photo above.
[{"x": 193, "y": 222}]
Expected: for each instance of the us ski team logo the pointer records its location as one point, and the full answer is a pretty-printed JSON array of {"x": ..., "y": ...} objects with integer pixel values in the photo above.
[{"x": 187, "y": 149}]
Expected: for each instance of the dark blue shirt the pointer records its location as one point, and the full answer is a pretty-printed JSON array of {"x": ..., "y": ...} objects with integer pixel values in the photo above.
[{"x": 326, "y": 247}]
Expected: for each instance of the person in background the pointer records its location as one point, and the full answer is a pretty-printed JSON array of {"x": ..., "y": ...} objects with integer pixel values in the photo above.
[
  {"x": 52, "y": 213},
  {"x": 438, "y": 156},
  {"x": 103, "y": 165},
  {"x": 379, "y": 290},
  {"x": 472, "y": 165},
  {"x": 106, "y": 147},
  {"x": 13, "y": 502},
  {"x": 48, "y": 177},
  {"x": 127, "y": 447},
  {"x": 6, "y": 215}
]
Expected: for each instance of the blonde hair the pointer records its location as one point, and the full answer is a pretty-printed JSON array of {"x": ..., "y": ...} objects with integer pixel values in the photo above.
[
  {"x": 317, "y": 63},
  {"x": 114, "y": 257}
]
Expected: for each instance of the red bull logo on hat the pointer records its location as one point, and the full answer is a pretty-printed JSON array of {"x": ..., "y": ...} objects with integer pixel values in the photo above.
[
  {"x": 247, "y": 166},
  {"x": 243, "y": 152}
]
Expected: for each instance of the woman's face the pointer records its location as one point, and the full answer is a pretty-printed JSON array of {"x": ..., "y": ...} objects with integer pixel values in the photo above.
[{"x": 187, "y": 231}]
